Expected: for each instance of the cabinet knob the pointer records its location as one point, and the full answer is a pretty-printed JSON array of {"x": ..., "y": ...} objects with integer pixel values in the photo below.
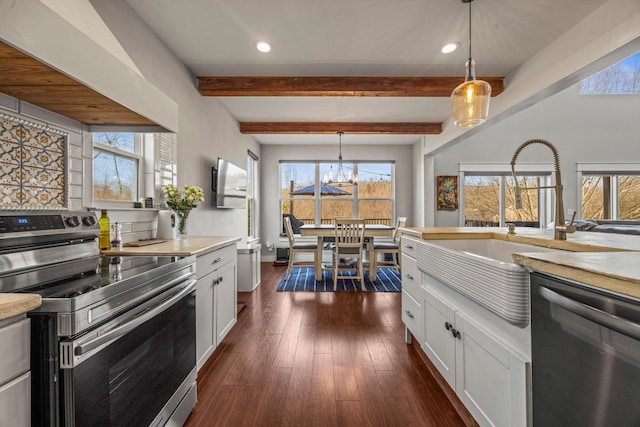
[
  {"x": 455, "y": 333},
  {"x": 409, "y": 313},
  {"x": 447, "y": 325},
  {"x": 408, "y": 276},
  {"x": 408, "y": 246}
]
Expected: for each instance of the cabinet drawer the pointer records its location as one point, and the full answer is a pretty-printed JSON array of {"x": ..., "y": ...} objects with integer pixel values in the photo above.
[
  {"x": 207, "y": 263},
  {"x": 409, "y": 246},
  {"x": 14, "y": 351},
  {"x": 411, "y": 277},
  {"x": 413, "y": 316},
  {"x": 15, "y": 402}
]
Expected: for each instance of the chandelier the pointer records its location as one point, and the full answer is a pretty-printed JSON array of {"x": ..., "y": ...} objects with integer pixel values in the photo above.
[
  {"x": 470, "y": 100},
  {"x": 340, "y": 179}
]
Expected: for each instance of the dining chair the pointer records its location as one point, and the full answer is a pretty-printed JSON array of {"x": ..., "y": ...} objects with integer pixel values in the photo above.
[
  {"x": 297, "y": 248},
  {"x": 392, "y": 247},
  {"x": 348, "y": 245}
]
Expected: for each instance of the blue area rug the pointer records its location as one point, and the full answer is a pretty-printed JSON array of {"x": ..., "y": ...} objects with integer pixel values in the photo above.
[{"x": 303, "y": 279}]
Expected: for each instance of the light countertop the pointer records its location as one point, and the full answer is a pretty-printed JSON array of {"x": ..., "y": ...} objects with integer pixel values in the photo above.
[
  {"x": 15, "y": 304},
  {"x": 614, "y": 271},
  {"x": 194, "y": 245},
  {"x": 605, "y": 260},
  {"x": 580, "y": 241}
]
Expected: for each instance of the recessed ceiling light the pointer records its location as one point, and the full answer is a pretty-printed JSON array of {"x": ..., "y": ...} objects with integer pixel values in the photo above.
[
  {"x": 450, "y": 47},
  {"x": 263, "y": 47}
]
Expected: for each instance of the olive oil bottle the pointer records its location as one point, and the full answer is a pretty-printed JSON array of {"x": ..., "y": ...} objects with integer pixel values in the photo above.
[{"x": 104, "y": 241}]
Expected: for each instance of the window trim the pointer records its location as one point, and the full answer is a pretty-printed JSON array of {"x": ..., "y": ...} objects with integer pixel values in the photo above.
[
  {"x": 614, "y": 170},
  {"x": 253, "y": 206},
  {"x": 543, "y": 169},
  {"x": 355, "y": 197},
  {"x": 138, "y": 156}
]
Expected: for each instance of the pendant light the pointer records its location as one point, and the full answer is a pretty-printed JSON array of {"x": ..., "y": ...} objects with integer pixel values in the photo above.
[
  {"x": 470, "y": 100},
  {"x": 341, "y": 179}
]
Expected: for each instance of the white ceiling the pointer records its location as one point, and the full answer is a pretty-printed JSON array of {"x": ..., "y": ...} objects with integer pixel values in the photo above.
[{"x": 353, "y": 38}]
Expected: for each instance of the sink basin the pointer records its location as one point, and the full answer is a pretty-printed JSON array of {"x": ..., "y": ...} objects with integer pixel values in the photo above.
[
  {"x": 482, "y": 270},
  {"x": 493, "y": 249}
]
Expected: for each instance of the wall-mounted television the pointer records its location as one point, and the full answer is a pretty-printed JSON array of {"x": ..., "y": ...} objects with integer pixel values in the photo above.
[{"x": 229, "y": 185}]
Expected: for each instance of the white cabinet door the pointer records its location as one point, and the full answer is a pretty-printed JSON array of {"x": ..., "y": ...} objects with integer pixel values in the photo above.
[
  {"x": 226, "y": 297},
  {"x": 439, "y": 343},
  {"x": 205, "y": 335},
  {"x": 490, "y": 378}
]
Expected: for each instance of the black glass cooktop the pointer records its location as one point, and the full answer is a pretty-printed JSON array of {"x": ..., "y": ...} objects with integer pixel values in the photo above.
[{"x": 109, "y": 270}]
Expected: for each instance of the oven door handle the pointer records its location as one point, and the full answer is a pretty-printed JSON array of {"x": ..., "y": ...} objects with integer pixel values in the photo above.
[
  {"x": 145, "y": 315},
  {"x": 618, "y": 324}
]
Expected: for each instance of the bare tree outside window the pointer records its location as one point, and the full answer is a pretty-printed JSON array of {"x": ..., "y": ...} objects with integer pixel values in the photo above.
[
  {"x": 115, "y": 166},
  {"x": 620, "y": 78}
]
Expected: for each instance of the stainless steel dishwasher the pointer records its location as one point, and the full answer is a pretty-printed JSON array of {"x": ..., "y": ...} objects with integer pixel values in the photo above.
[{"x": 585, "y": 354}]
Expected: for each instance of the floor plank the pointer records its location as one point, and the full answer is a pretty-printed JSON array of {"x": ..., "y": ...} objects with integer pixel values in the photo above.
[{"x": 318, "y": 359}]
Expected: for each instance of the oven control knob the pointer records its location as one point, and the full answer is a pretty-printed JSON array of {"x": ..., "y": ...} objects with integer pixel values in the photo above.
[
  {"x": 88, "y": 220},
  {"x": 73, "y": 221}
]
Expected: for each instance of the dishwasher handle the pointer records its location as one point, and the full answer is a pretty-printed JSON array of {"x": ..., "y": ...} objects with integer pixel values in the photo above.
[{"x": 593, "y": 314}]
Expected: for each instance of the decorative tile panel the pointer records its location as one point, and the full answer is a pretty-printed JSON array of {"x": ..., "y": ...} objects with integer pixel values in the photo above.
[
  {"x": 42, "y": 177},
  {"x": 10, "y": 152},
  {"x": 10, "y": 131},
  {"x": 32, "y": 165},
  {"x": 37, "y": 197}
]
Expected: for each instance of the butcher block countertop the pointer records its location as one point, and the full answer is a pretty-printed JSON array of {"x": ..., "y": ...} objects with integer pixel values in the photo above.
[
  {"x": 15, "y": 304},
  {"x": 194, "y": 245},
  {"x": 604, "y": 260},
  {"x": 580, "y": 241}
]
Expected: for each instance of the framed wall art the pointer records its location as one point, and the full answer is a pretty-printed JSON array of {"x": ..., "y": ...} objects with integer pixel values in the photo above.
[{"x": 447, "y": 193}]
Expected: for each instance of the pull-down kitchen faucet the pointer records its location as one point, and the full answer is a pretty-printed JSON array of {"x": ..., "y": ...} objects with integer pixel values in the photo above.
[{"x": 561, "y": 229}]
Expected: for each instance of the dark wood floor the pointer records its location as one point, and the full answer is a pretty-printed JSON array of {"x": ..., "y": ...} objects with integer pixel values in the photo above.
[{"x": 321, "y": 359}]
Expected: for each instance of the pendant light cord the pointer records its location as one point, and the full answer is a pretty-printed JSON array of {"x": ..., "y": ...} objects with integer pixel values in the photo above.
[{"x": 470, "y": 29}]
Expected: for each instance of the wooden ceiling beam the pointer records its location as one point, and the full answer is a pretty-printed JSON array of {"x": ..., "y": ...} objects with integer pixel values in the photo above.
[
  {"x": 396, "y": 128},
  {"x": 337, "y": 86}
]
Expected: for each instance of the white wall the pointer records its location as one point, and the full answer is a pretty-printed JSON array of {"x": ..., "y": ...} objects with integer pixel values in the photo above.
[
  {"x": 418, "y": 185},
  {"x": 206, "y": 130},
  {"x": 270, "y": 184},
  {"x": 584, "y": 128}
]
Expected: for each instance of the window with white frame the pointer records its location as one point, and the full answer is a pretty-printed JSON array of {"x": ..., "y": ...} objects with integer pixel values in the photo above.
[
  {"x": 308, "y": 199},
  {"x": 488, "y": 196},
  {"x": 116, "y": 166},
  {"x": 609, "y": 191},
  {"x": 129, "y": 166}
]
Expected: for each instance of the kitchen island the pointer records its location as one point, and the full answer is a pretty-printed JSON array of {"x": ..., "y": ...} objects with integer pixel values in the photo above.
[{"x": 480, "y": 359}]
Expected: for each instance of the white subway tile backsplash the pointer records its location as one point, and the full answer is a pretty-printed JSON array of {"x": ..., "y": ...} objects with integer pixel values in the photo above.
[{"x": 75, "y": 178}]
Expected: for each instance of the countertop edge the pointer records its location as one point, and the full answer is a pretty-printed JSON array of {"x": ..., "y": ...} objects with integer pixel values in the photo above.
[
  {"x": 194, "y": 245},
  {"x": 583, "y": 274},
  {"x": 15, "y": 304},
  {"x": 577, "y": 242}
]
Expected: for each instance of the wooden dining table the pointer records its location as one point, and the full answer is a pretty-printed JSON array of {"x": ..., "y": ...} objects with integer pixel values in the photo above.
[{"x": 323, "y": 231}]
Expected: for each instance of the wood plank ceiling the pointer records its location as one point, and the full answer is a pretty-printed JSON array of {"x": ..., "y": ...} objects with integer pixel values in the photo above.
[
  {"x": 338, "y": 86},
  {"x": 28, "y": 79}
]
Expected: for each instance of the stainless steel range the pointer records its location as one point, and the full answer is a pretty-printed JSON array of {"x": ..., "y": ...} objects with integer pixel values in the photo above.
[{"x": 113, "y": 343}]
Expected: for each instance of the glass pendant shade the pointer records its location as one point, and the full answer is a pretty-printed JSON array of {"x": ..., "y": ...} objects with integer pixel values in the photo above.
[
  {"x": 470, "y": 103},
  {"x": 470, "y": 100}
]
